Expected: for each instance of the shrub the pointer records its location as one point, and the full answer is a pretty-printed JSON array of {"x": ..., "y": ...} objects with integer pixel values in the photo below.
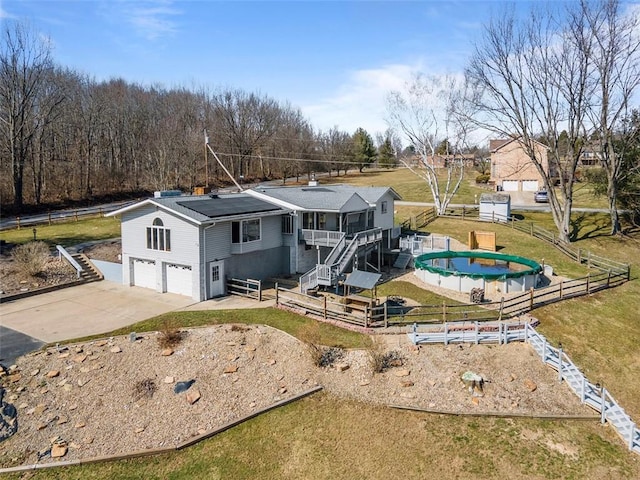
[
  {"x": 381, "y": 360},
  {"x": 144, "y": 389},
  {"x": 483, "y": 178},
  {"x": 320, "y": 356},
  {"x": 31, "y": 258},
  {"x": 169, "y": 335}
]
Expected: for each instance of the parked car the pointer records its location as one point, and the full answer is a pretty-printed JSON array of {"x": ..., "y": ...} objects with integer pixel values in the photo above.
[{"x": 541, "y": 196}]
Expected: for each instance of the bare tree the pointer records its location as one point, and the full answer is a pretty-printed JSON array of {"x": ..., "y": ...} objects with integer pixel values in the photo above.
[
  {"x": 426, "y": 113},
  {"x": 532, "y": 80},
  {"x": 25, "y": 63},
  {"x": 615, "y": 55}
]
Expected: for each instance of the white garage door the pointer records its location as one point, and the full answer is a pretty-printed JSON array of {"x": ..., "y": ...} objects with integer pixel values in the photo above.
[
  {"x": 179, "y": 279},
  {"x": 529, "y": 185},
  {"x": 144, "y": 273},
  {"x": 510, "y": 185}
]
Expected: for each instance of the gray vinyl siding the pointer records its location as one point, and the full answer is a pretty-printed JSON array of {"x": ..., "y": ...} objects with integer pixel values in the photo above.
[
  {"x": 384, "y": 220},
  {"x": 271, "y": 236},
  {"x": 218, "y": 241},
  {"x": 258, "y": 265}
]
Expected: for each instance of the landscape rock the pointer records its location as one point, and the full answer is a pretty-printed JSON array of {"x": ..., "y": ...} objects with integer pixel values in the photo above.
[
  {"x": 402, "y": 373},
  {"x": 193, "y": 396},
  {"x": 233, "y": 368},
  {"x": 530, "y": 385},
  {"x": 166, "y": 352},
  {"x": 183, "y": 386}
]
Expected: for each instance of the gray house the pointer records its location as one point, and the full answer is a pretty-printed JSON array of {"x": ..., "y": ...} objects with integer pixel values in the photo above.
[{"x": 190, "y": 244}]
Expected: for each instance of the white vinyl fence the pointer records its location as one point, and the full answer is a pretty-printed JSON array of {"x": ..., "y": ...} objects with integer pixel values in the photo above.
[{"x": 593, "y": 395}]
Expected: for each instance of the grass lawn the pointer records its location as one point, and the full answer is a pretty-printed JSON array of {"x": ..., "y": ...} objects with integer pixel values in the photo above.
[
  {"x": 321, "y": 437},
  {"x": 67, "y": 233}
]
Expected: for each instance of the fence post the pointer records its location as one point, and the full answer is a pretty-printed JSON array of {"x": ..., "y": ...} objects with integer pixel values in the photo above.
[
  {"x": 18, "y": 222},
  {"x": 603, "y": 405},
  {"x": 561, "y": 283},
  {"x": 582, "y": 390},
  {"x": 75, "y": 215},
  {"x": 463, "y": 212},
  {"x": 579, "y": 256},
  {"x": 531, "y": 299},
  {"x": 259, "y": 290},
  {"x": 276, "y": 294},
  {"x": 477, "y": 332},
  {"x": 415, "y": 327},
  {"x": 588, "y": 275},
  {"x": 560, "y": 362},
  {"x": 49, "y": 217},
  {"x": 385, "y": 315},
  {"x": 501, "y": 308},
  {"x": 444, "y": 312},
  {"x": 632, "y": 433},
  {"x": 608, "y": 278},
  {"x": 324, "y": 307},
  {"x": 589, "y": 259},
  {"x": 366, "y": 315},
  {"x": 544, "y": 351}
]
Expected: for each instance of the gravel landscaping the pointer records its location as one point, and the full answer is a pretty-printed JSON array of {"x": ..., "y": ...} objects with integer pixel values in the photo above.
[{"x": 118, "y": 395}]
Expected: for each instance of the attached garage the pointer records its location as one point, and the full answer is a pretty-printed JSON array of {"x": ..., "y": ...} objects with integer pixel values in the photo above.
[
  {"x": 530, "y": 186},
  {"x": 178, "y": 279},
  {"x": 510, "y": 185},
  {"x": 144, "y": 273}
]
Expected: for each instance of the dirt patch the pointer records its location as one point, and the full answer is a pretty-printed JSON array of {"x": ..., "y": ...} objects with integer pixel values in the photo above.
[
  {"x": 107, "y": 251},
  {"x": 118, "y": 395}
]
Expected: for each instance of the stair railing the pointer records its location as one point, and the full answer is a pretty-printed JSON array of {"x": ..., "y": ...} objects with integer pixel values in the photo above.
[{"x": 72, "y": 261}]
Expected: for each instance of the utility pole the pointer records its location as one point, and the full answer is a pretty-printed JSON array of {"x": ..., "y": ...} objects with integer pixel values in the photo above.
[{"x": 206, "y": 161}]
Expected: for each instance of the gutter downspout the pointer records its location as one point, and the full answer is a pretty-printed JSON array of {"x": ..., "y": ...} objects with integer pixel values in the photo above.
[{"x": 203, "y": 277}]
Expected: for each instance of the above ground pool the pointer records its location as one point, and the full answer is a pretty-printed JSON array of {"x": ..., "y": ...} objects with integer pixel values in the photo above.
[{"x": 491, "y": 271}]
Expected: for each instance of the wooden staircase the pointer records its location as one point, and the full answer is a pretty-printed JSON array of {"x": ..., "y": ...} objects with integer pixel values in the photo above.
[{"x": 89, "y": 271}]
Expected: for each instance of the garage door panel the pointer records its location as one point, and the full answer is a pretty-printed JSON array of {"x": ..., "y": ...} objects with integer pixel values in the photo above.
[
  {"x": 530, "y": 185},
  {"x": 510, "y": 185},
  {"x": 179, "y": 279},
  {"x": 144, "y": 273}
]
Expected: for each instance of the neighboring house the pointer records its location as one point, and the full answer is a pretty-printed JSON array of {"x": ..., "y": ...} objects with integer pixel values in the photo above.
[
  {"x": 512, "y": 169},
  {"x": 190, "y": 244}
]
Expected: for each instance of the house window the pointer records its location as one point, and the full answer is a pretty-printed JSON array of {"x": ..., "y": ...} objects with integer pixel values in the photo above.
[
  {"x": 383, "y": 207},
  {"x": 245, "y": 231},
  {"x": 307, "y": 220},
  {"x": 158, "y": 237},
  {"x": 215, "y": 273},
  {"x": 287, "y": 224}
]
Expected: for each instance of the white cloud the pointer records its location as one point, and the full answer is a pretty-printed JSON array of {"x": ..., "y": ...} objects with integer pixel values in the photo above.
[
  {"x": 360, "y": 101},
  {"x": 151, "y": 19}
]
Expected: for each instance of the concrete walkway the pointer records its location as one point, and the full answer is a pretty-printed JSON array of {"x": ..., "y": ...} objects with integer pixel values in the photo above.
[{"x": 99, "y": 307}]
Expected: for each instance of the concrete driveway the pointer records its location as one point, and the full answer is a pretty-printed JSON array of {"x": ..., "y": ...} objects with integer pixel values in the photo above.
[{"x": 99, "y": 307}]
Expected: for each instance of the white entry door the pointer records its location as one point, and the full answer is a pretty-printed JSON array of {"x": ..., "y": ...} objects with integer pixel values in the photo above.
[{"x": 216, "y": 279}]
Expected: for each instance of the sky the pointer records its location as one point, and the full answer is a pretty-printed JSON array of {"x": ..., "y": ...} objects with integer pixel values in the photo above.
[{"x": 334, "y": 60}]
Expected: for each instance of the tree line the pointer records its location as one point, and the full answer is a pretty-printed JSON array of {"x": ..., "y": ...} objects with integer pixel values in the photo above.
[{"x": 65, "y": 136}]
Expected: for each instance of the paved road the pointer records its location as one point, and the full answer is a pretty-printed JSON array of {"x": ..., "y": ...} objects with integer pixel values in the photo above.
[{"x": 14, "y": 344}]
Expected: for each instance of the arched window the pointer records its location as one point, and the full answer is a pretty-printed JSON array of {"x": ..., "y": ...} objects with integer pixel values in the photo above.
[{"x": 158, "y": 237}]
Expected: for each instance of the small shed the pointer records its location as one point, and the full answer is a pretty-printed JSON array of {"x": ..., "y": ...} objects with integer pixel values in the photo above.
[{"x": 495, "y": 207}]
